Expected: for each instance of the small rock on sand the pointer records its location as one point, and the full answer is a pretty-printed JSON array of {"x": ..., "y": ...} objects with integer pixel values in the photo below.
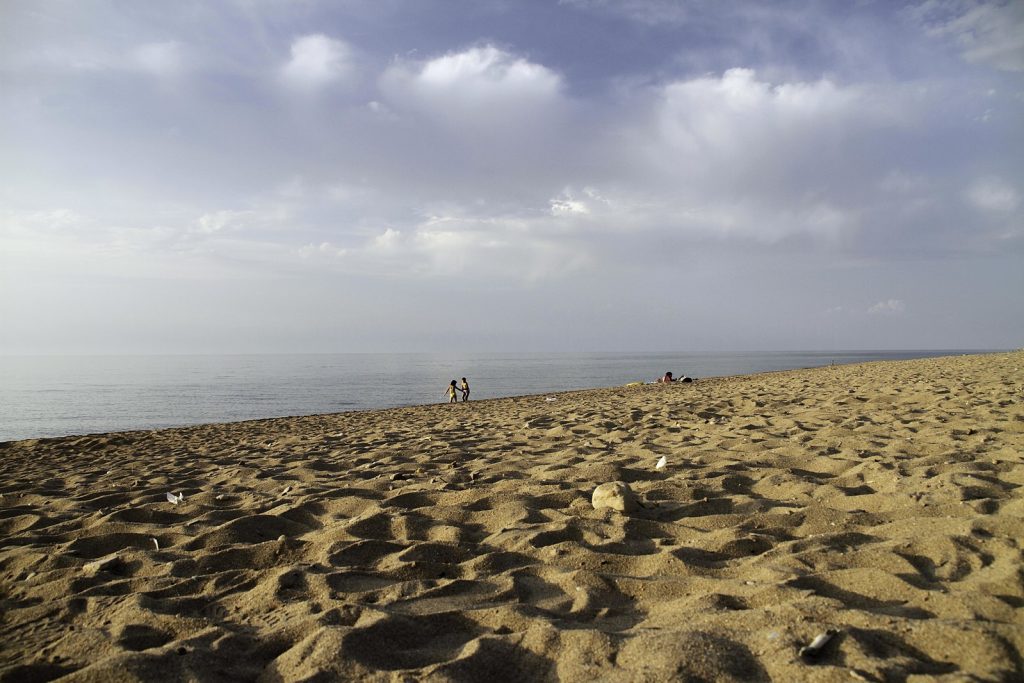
[
  {"x": 615, "y": 495},
  {"x": 109, "y": 563}
]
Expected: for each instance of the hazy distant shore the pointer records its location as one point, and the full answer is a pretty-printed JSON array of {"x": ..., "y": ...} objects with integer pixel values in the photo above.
[{"x": 458, "y": 542}]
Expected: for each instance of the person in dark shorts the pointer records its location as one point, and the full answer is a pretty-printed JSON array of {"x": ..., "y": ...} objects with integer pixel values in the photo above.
[{"x": 465, "y": 390}]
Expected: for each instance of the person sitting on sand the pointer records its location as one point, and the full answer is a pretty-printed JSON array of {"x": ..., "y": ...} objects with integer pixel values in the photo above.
[
  {"x": 465, "y": 390},
  {"x": 666, "y": 378},
  {"x": 452, "y": 392}
]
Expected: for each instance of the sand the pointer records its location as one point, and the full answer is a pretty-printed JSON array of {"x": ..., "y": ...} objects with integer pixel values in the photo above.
[{"x": 458, "y": 542}]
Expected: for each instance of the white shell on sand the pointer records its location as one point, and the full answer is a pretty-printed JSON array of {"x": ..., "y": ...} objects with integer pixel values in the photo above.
[
  {"x": 662, "y": 461},
  {"x": 171, "y": 498},
  {"x": 615, "y": 495}
]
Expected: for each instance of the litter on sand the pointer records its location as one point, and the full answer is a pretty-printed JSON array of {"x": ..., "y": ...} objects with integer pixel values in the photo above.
[
  {"x": 818, "y": 644},
  {"x": 171, "y": 498},
  {"x": 662, "y": 461},
  {"x": 549, "y": 399},
  {"x": 156, "y": 543}
]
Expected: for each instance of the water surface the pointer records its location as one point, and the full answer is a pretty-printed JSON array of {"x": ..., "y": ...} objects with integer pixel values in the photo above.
[{"x": 60, "y": 395}]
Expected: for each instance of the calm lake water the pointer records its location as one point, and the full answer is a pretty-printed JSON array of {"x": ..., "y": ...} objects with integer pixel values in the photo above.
[{"x": 60, "y": 395}]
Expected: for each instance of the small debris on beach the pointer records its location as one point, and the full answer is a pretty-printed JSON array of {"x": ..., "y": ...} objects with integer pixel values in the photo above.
[
  {"x": 615, "y": 495},
  {"x": 662, "y": 461},
  {"x": 818, "y": 644},
  {"x": 171, "y": 498}
]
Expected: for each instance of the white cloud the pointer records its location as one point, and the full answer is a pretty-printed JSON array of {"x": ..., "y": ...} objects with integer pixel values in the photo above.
[
  {"x": 460, "y": 241},
  {"x": 564, "y": 206},
  {"x": 487, "y": 72},
  {"x": 993, "y": 194},
  {"x": 889, "y": 307},
  {"x": 737, "y": 155},
  {"x": 570, "y": 202},
  {"x": 741, "y": 157},
  {"x": 986, "y": 32},
  {"x": 738, "y": 114},
  {"x": 481, "y": 85},
  {"x": 388, "y": 240},
  {"x": 316, "y": 61},
  {"x": 220, "y": 221}
]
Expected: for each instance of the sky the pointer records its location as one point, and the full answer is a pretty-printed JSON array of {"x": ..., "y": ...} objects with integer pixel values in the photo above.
[{"x": 510, "y": 175}]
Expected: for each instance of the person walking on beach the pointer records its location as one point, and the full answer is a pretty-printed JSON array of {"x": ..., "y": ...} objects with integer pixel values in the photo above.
[
  {"x": 465, "y": 390},
  {"x": 452, "y": 392}
]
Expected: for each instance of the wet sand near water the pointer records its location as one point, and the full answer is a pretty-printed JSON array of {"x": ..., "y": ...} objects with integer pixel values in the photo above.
[{"x": 458, "y": 542}]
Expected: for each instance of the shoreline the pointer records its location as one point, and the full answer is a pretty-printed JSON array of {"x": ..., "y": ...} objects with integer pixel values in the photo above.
[
  {"x": 698, "y": 381},
  {"x": 882, "y": 500}
]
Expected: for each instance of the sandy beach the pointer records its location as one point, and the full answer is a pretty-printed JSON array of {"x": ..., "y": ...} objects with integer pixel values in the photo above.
[{"x": 881, "y": 503}]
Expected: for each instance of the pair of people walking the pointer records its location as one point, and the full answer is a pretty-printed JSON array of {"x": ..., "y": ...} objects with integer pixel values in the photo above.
[{"x": 453, "y": 389}]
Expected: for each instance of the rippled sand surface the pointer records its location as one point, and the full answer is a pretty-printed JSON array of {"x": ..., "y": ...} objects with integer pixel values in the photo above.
[{"x": 883, "y": 501}]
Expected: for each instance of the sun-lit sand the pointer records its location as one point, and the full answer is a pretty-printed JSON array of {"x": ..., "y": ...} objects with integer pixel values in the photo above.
[{"x": 459, "y": 542}]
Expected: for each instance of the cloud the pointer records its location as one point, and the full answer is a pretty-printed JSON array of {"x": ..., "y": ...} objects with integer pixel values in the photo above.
[
  {"x": 220, "y": 221},
  {"x": 487, "y": 74},
  {"x": 165, "y": 59},
  {"x": 737, "y": 155},
  {"x": 460, "y": 241},
  {"x": 482, "y": 85},
  {"x": 738, "y": 114},
  {"x": 993, "y": 194},
  {"x": 889, "y": 307},
  {"x": 14, "y": 223},
  {"x": 389, "y": 240},
  {"x": 588, "y": 202},
  {"x": 567, "y": 206},
  {"x": 324, "y": 250},
  {"x": 316, "y": 61},
  {"x": 987, "y": 32}
]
